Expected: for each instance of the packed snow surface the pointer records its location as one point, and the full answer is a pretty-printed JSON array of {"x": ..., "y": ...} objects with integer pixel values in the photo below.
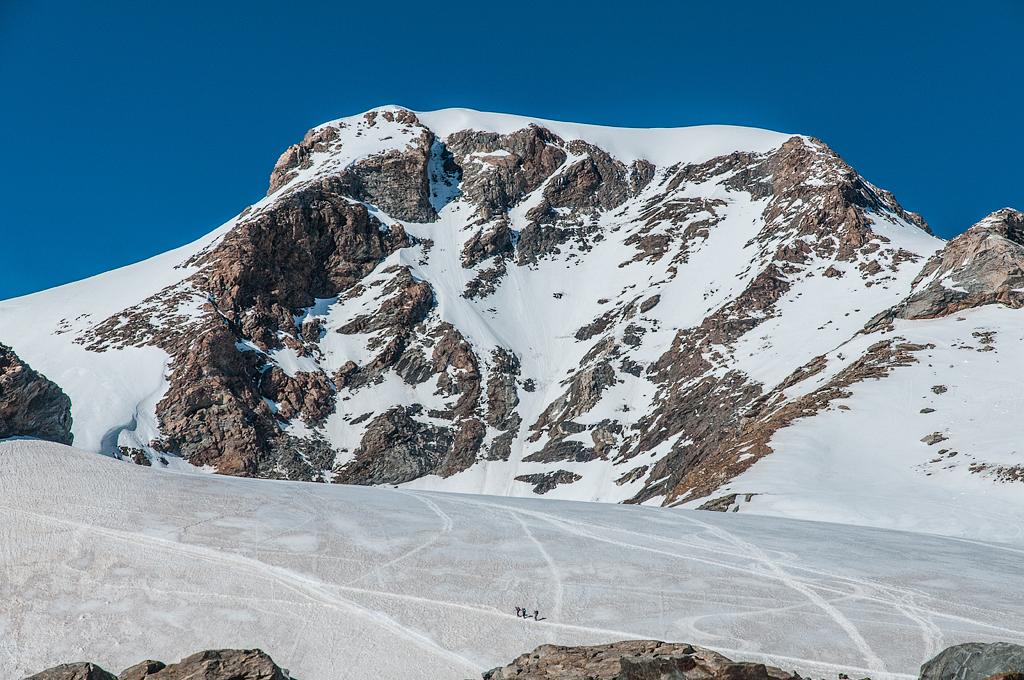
[{"x": 114, "y": 563}]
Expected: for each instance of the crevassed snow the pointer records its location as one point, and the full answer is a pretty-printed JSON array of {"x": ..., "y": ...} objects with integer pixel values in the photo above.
[{"x": 115, "y": 563}]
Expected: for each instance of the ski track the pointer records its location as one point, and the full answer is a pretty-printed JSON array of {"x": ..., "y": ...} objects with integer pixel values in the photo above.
[
  {"x": 901, "y": 600},
  {"x": 555, "y": 574},
  {"x": 875, "y": 664},
  {"x": 446, "y": 527},
  {"x": 422, "y": 610},
  {"x": 307, "y": 587}
]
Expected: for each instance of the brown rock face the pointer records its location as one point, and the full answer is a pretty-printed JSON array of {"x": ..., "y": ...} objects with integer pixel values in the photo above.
[
  {"x": 217, "y": 664},
  {"x": 31, "y": 405},
  {"x": 223, "y": 664},
  {"x": 632, "y": 660},
  {"x": 982, "y": 266},
  {"x": 74, "y": 671},
  {"x": 312, "y": 243},
  {"x": 497, "y": 170},
  {"x": 142, "y": 670},
  {"x": 398, "y": 182}
]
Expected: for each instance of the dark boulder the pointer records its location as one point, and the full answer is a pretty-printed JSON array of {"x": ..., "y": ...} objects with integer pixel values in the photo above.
[
  {"x": 974, "y": 661},
  {"x": 82, "y": 670}
]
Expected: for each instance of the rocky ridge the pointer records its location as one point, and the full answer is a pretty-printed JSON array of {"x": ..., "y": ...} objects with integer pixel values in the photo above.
[
  {"x": 415, "y": 300},
  {"x": 30, "y": 404}
]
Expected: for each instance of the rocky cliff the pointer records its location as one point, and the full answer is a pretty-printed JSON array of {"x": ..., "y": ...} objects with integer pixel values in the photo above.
[
  {"x": 485, "y": 303},
  {"x": 31, "y": 405}
]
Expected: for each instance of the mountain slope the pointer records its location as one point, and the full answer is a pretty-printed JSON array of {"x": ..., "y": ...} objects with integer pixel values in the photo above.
[{"x": 487, "y": 303}]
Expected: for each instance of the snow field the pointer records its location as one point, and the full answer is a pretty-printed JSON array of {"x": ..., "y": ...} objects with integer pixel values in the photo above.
[
  {"x": 866, "y": 464},
  {"x": 112, "y": 562}
]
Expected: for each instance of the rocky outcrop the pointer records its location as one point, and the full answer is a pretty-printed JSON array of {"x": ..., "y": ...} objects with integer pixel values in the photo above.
[
  {"x": 397, "y": 182},
  {"x": 982, "y": 266},
  {"x": 498, "y": 170},
  {"x": 974, "y": 661},
  {"x": 221, "y": 664},
  {"x": 313, "y": 243},
  {"x": 632, "y": 660},
  {"x": 31, "y": 405},
  {"x": 398, "y": 448},
  {"x": 74, "y": 671},
  {"x": 547, "y": 481}
]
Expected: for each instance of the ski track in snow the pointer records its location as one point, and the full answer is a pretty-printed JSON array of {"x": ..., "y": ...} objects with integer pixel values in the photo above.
[{"x": 364, "y": 581}]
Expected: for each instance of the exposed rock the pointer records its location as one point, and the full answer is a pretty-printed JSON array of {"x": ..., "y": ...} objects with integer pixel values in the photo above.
[
  {"x": 497, "y": 241},
  {"x": 982, "y": 266},
  {"x": 632, "y": 475},
  {"x": 397, "y": 448},
  {"x": 223, "y": 664},
  {"x": 974, "y": 661},
  {"x": 632, "y": 660},
  {"x": 309, "y": 394},
  {"x": 409, "y": 303},
  {"x": 721, "y": 504},
  {"x": 395, "y": 181},
  {"x": 549, "y": 480},
  {"x": 74, "y": 671},
  {"x": 312, "y": 243},
  {"x": 142, "y": 670},
  {"x": 297, "y": 156},
  {"x": 31, "y": 405},
  {"x": 497, "y": 170}
]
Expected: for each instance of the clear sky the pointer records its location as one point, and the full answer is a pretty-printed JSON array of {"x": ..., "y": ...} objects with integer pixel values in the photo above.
[{"x": 129, "y": 128}]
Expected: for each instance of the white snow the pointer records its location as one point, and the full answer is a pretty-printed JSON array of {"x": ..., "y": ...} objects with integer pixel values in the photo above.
[
  {"x": 867, "y": 465},
  {"x": 115, "y": 563}
]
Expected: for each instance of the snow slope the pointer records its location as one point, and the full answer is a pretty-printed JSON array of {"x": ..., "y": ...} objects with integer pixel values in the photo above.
[
  {"x": 863, "y": 461},
  {"x": 115, "y": 563}
]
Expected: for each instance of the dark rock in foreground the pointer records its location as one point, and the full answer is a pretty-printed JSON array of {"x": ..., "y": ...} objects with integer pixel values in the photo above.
[
  {"x": 74, "y": 671},
  {"x": 974, "y": 661},
  {"x": 219, "y": 664},
  {"x": 632, "y": 660},
  {"x": 31, "y": 405}
]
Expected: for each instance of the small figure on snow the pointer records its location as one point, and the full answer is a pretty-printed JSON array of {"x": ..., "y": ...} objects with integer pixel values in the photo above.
[
  {"x": 536, "y": 615},
  {"x": 519, "y": 611}
]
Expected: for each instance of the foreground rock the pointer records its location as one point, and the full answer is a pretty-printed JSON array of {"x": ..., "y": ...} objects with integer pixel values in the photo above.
[
  {"x": 74, "y": 671},
  {"x": 213, "y": 664},
  {"x": 31, "y": 405},
  {"x": 632, "y": 660},
  {"x": 976, "y": 661}
]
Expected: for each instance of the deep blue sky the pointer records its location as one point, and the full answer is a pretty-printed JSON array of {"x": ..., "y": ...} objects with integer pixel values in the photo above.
[{"x": 129, "y": 128}]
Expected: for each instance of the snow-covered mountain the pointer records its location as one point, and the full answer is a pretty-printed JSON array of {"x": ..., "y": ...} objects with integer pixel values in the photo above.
[{"x": 710, "y": 316}]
